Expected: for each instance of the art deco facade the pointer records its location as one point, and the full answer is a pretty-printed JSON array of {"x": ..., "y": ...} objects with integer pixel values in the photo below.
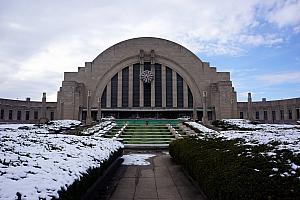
[{"x": 146, "y": 78}]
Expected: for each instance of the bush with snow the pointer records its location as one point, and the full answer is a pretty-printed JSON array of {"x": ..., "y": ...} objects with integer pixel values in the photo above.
[{"x": 254, "y": 161}]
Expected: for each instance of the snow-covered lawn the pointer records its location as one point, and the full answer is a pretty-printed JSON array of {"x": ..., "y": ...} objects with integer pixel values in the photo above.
[
  {"x": 39, "y": 165},
  {"x": 277, "y": 137},
  {"x": 100, "y": 129},
  {"x": 243, "y": 123},
  {"x": 284, "y": 135},
  {"x": 137, "y": 159}
]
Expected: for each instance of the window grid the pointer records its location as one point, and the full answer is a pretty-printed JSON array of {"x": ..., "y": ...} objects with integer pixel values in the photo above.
[
  {"x": 136, "y": 85},
  {"x": 114, "y": 91},
  {"x": 158, "y": 91},
  {"x": 147, "y": 87},
  {"x": 125, "y": 79},
  {"x": 190, "y": 98},
  {"x": 179, "y": 91},
  {"x": 103, "y": 98},
  {"x": 169, "y": 87}
]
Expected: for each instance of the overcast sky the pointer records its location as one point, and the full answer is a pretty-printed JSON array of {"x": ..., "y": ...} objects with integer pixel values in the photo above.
[{"x": 257, "y": 41}]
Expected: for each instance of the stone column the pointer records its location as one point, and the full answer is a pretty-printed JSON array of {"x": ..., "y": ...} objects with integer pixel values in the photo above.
[
  {"x": 88, "y": 105},
  {"x": 99, "y": 114},
  {"x": 174, "y": 87},
  {"x": 119, "y": 97},
  {"x": 249, "y": 114},
  {"x": 204, "y": 105},
  {"x": 108, "y": 95},
  {"x": 43, "y": 118},
  {"x": 130, "y": 86},
  {"x": 153, "y": 87},
  {"x": 185, "y": 95},
  {"x": 194, "y": 113},
  {"x": 163, "y": 86}
]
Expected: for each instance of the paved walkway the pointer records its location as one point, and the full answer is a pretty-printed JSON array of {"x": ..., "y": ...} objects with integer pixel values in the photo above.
[{"x": 162, "y": 179}]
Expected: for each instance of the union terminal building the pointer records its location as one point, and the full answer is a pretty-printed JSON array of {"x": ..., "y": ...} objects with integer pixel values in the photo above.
[{"x": 148, "y": 78}]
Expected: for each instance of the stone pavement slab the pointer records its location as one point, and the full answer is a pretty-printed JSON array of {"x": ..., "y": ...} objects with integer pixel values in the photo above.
[{"x": 162, "y": 179}]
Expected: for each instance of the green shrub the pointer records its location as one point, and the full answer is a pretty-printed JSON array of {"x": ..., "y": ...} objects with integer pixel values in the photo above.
[{"x": 225, "y": 170}]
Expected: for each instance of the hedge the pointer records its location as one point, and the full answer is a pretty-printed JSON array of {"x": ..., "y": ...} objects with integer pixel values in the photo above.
[
  {"x": 225, "y": 170},
  {"x": 78, "y": 189}
]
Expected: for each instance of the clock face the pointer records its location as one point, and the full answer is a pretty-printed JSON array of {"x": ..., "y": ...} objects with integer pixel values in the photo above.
[{"x": 147, "y": 76}]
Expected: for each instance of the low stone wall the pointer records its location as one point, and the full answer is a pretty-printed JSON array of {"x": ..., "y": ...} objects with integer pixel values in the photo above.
[
  {"x": 277, "y": 111},
  {"x": 18, "y": 111}
]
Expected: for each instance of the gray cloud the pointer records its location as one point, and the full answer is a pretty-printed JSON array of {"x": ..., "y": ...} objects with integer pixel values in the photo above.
[{"x": 42, "y": 39}]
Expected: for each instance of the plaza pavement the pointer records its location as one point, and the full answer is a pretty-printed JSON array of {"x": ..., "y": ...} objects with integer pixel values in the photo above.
[{"x": 162, "y": 179}]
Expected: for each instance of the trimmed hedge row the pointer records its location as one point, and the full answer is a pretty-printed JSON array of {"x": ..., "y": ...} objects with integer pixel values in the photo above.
[
  {"x": 225, "y": 170},
  {"x": 78, "y": 189}
]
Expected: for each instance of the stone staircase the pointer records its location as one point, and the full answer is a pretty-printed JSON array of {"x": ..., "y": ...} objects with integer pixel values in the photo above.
[
  {"x": 139, "y": 133},
  {"x": 147, "y": 134}
]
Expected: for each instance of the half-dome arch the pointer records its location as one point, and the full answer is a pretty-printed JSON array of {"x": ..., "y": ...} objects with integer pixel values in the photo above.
[{"x": 211, "y": 91}]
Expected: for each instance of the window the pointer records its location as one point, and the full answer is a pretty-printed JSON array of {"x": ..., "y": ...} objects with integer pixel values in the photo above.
[
  {"x": 2, "y": 114},
  {"x": 36, "y": 114},
  {"x": 19, "y": 114},
  {"x": 125, "y": 79},
  {"x": 273, "y": 115},
  {"x": 257, "y": 115},
  {"x": 136, "y": 85},
  {"x": 209, "y": 115},
  {"x": 169, "y": 87},
  {"x": 241, "y": 115},
  {"x": 114, "y": 91},
  {"x": 52, "y": 116},
  {"x": 27, "y": 115},
  {"x": 103, "y": 98},
  {"x": 297, "y": 113},
  {"x": 190, "y": 98},
  {"x": 147, "y": 87},
  {"x": 179, "y": 91},
  {"x": 157, "y": 77},
  {"x": 290, "y": 114},
  {"x": 10, "y": 113},
  {"x": 265, "y": 115},
  {"x": 281, "y": 115}
]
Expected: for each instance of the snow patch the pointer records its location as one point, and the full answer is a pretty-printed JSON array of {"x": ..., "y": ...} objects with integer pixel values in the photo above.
[
  {"x": 201, "y": 128},
  {"x": 137, "y": 159}
]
